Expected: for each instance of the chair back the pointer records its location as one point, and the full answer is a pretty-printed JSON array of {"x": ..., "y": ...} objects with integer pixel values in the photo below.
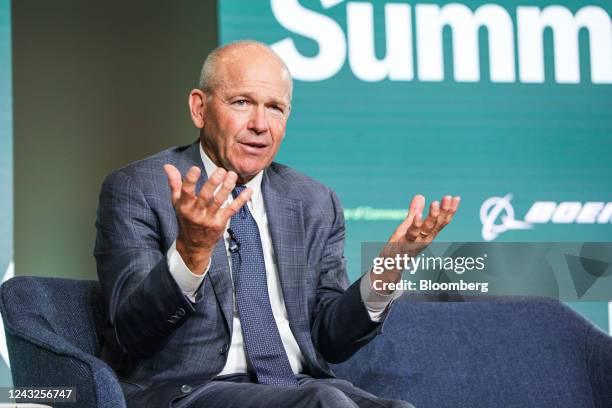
[
  {"x": 50, "y": 308},
  {"x": 499, "y": 353}
]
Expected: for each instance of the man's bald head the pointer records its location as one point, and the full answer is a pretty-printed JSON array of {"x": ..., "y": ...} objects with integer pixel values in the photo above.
[
  {"x": 214, "y": 68},
  {"x": 242, "y": 107}
]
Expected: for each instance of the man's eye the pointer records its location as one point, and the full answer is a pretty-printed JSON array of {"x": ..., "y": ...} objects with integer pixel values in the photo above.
[
  {"x": 241, "y": 102},
  {"x": 276, "y": 109}
]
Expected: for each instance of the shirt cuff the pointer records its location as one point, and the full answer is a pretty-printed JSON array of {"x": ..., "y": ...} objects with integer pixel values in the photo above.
[
  {"x": 376, "y": 303},
  {"x": 188, "y": 281}
]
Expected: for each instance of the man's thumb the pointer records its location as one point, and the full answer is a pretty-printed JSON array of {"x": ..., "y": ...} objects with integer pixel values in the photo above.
[{"x": 174, "y": 181}]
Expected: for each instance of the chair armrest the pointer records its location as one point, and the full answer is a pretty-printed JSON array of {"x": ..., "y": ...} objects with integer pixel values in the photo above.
[
  {"x": 32, "y": 359},
  {"x": 599, "y": 362}
]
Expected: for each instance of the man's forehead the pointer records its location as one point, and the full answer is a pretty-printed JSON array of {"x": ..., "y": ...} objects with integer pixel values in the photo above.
[{"x": 254, "y": 79}]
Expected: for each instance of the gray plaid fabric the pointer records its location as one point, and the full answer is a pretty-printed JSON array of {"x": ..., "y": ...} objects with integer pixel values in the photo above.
[
  {"x": 312, "y": 392},
  {"x": 163, "y": 346}
]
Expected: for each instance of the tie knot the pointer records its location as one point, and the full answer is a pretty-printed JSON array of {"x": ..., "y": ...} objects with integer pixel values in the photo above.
[{"x": 237, "y": 190}]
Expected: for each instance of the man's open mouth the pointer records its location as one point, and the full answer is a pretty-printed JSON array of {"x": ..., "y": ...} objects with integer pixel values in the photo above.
[{"x": 255, "y": 145}]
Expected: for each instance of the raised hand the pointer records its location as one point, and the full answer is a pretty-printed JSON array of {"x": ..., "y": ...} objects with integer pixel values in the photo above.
[
  {"x": 414, "y": 234},
  {"x": 202, "y": 219},
  {"x": 414, "y": 230}
]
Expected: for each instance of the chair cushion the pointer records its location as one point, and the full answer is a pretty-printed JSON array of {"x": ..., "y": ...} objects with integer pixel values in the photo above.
[{"x": 511, "y": 353}]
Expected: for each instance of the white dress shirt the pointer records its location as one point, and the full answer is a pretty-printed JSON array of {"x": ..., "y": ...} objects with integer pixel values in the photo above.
[{"x": 376, "y": 303}]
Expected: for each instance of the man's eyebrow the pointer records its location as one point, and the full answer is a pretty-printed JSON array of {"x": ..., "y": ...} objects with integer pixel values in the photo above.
[{"x": 251, "y": 95}]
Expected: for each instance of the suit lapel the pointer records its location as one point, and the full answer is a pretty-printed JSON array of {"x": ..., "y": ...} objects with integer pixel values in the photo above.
[
  {"x": 219, "y": 272},
  {"x": 286, "y": 224}
]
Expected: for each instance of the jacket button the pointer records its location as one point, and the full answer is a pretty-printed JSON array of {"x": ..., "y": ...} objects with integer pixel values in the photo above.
[
  {"x": 186, "y": 388},
  {"x": 224, "y": 348}
]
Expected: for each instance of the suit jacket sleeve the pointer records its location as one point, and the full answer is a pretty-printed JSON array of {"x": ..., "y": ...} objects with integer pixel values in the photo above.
[
  {"x": 145, "y": 305},
  {"x": 341, "y": 323}
]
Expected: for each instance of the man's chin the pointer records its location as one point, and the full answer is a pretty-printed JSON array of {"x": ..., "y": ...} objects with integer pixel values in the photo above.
[
  {"x": 247, "y": 169},
  {"x": 246, "y": 176}
]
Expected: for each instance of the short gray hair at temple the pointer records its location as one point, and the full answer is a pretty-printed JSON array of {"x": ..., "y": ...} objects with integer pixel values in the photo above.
[{"x": 209, "y": 78}]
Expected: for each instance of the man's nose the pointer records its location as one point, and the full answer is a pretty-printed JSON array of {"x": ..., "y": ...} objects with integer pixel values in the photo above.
[{"x": 258, "y": 122}]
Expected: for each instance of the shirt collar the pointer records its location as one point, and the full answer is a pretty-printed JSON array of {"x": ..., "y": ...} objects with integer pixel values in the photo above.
[{"x": 254, "y": 184}]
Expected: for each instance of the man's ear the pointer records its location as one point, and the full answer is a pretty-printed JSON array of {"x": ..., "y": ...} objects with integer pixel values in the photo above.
[
  {"x": 288, "y": 112},
  {"x": 197, "y": 107}
]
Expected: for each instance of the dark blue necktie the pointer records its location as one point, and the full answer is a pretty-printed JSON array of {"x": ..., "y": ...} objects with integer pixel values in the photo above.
[{"x": 262, "y": 340}]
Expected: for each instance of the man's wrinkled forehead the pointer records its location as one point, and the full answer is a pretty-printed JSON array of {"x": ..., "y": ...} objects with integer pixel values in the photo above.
[{"x": 253, "y": 69}]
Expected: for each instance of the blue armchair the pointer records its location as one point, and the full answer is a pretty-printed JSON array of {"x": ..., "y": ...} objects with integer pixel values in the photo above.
[
  {"x": 511, "y": 353},
  {"x": 53, "y": 332}
]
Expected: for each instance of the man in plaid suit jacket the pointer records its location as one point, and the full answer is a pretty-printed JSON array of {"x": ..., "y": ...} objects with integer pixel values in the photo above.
[{"x": 169, "y": 339}]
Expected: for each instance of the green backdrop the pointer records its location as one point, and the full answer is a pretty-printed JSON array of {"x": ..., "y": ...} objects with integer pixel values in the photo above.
[
  {"x": 116, "y": 77},
  {"x": 397, "y": 98}
]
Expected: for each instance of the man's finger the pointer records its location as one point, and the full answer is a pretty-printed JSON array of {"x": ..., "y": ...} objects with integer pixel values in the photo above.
[
  {"x": 415, "y": 229},
  {"x": 455, "y": 203},
  {"x": 416, "y": 205},
  {"x": 417, "y": 202},
  {"x": 226, "y": 188},
  {"x": 445, "y": 205},
  {"x": 449, "y": 212},
  {"x": 238, "y": 202},
  {"x": 208, "y": 189},
  {"x": 453, "y": 209},
  {"x": 432, "y": 219},
  {"x": 174, "y": 181},
  {"x": 190, "y": 180}
]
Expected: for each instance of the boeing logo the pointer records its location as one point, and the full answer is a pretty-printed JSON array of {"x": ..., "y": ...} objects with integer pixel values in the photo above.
[
  {"x": 499, "y": 208},
  {"x": 497, "y": 215}
]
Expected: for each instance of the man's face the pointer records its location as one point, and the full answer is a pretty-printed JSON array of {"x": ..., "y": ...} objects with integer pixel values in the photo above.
[{"x": 246, "y": 115}]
